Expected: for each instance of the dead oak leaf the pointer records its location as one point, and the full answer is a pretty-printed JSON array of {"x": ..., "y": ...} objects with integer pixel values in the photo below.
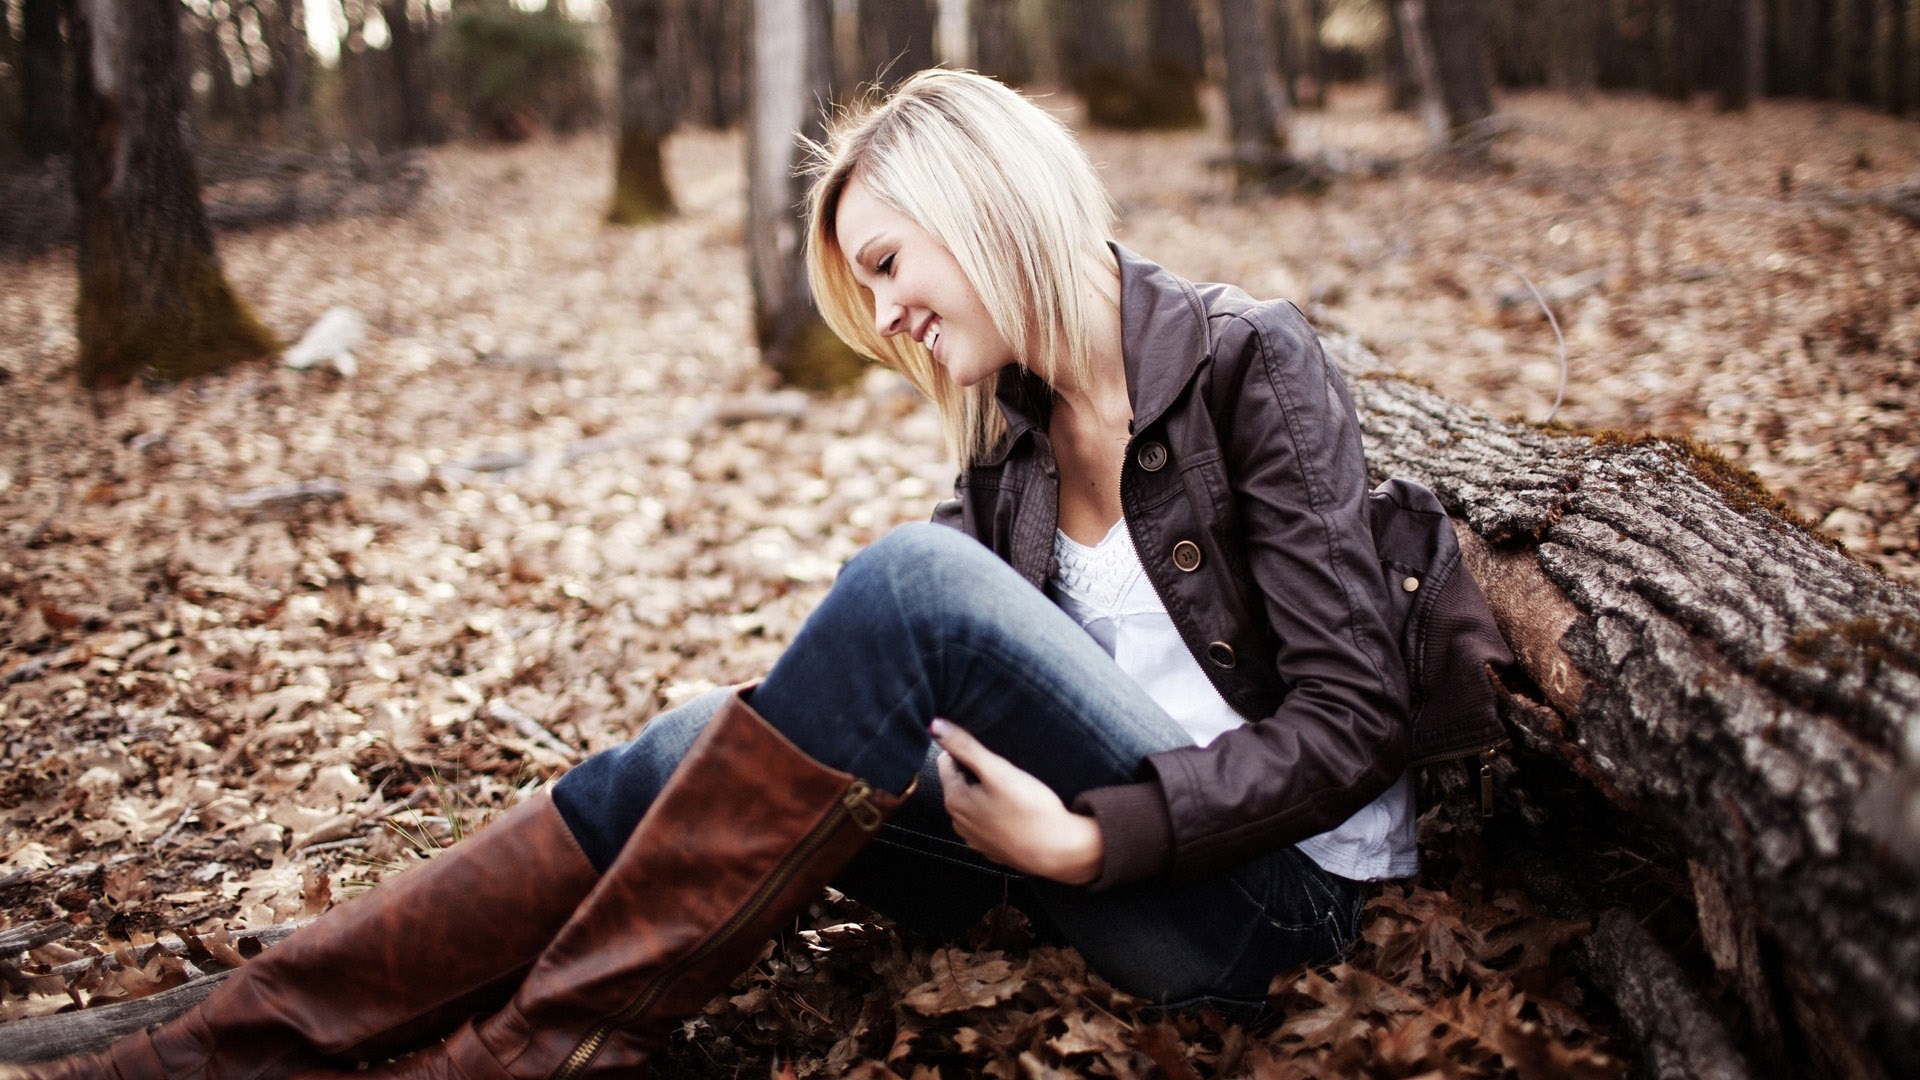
[
  {"x": 961, "y": 982},
  {"x": 1090, "y": 1033}
]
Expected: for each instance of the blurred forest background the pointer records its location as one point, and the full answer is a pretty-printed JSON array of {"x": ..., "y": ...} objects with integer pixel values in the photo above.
[{"x": 533, "y": 466}]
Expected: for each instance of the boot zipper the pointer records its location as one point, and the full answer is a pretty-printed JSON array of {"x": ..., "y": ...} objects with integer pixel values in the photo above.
[{"x": 855, "y": 804}]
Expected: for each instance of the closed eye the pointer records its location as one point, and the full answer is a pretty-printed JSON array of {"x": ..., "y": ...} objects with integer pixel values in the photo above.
[{"x": 885, "y": 266}]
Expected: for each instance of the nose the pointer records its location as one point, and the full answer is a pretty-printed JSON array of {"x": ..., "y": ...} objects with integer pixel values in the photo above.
[{"x": 889, "y": 317}]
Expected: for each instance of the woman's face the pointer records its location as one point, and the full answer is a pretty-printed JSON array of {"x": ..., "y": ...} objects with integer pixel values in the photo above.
[{"x": 918, "y": 288}]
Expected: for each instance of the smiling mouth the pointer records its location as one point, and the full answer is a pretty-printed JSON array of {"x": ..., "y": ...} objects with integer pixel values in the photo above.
[{"x": 932, "y": 337}]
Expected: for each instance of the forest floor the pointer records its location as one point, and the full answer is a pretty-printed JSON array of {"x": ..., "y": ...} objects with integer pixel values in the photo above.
[{"x": 564, "y": 496}]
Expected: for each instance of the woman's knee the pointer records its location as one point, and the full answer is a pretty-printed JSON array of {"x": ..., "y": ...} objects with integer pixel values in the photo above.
[
  {"x": 918, "y": 552},
  {"x": 930, "y": 577}
]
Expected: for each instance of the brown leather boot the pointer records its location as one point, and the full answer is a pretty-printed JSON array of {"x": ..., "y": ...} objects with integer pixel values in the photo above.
[
  {"x": 386, "y": 972},
  {"x": 746, "y": 832}
]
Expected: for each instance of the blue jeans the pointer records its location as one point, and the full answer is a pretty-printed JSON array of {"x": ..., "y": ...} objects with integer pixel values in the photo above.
[{"x": 928, "y": 623}]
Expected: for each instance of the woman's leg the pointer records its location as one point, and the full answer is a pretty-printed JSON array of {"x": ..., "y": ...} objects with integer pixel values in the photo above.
[{"x": 928, "y": 623}]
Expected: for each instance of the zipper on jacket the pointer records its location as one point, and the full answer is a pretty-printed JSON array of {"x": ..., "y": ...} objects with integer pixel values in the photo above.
[{"x": 856, "y": 804}]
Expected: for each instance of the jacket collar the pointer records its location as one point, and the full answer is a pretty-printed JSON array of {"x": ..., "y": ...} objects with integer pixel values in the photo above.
[{"x": 1163, "y": 339}]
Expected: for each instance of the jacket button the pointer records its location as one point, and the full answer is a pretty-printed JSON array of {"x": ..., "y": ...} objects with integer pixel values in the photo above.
[
  {"x": 1411, "y": 584},
  {"x": 1221, "y": 654},
  {"x": 1153, "y": 457},
  {"x": 1186, "y": 556}
]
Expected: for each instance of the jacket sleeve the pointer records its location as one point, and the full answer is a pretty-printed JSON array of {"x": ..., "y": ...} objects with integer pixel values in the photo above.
[{"x": 1340, "y": 736}]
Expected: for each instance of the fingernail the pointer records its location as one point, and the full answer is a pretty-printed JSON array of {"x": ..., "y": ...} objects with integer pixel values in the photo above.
[{"x": 940, "y": 728}]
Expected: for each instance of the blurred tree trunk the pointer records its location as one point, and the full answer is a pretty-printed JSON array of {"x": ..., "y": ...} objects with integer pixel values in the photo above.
[
  {"x": 1459, "y": 39},
  {"x": 953, "y": 36},
  {"x": 289, "y": 43},
  {"x": 1176, "y": 64},
  {"x": 1889, "y": 26},
  {"x": 999, "y": 46},
  {"x": 43, "y": 79},
  {"x": 1745, "y": 72},
  {"x": 1910, "y": 56},
  {"x": 1571, "y": 61},
  {"x": 789, "y": 78},
  {"x": 1423, "y": 68},
  {"x": 1256, "y": 110},
  {"x": 1296, "y": 42},
  {"x": 413, "y": 122},
  {"x": 715, "y": 59},
  {"x": 896, "y": 39},
  {"x": 1094, "y": 60},
  {"x": 1403, "y": 85},
  {"x": 153, "y": 298},
  {"x": 1843, "y": 41},
  {"x": 223, "y": 96},
  {"x": 650, "y": 77},
  {"x": 1797, "y": 58}
]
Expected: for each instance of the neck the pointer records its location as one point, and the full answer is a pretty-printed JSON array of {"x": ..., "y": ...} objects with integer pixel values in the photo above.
[{"x": 1102, "y": 399}]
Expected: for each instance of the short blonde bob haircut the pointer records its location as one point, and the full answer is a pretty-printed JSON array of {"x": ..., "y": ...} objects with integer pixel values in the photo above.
[{"x": 1003, "y": 186}]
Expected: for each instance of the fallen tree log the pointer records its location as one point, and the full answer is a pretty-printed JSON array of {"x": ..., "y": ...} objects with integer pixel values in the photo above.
[{"x": 1721, "y": 672}]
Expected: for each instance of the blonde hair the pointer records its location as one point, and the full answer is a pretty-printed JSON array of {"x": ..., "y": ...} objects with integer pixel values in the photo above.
[{"x": 1001, "y": 184}]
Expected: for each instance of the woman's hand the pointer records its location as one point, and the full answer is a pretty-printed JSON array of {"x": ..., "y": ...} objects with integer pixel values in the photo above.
[{"x": 1008, "y": 815}]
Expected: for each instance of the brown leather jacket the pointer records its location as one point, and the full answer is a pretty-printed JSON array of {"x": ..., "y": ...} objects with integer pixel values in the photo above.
[{"x": 1245, "y": 492}]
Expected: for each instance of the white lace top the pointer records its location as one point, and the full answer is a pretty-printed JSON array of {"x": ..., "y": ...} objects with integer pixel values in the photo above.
[{"x": 1106, "y": 591}]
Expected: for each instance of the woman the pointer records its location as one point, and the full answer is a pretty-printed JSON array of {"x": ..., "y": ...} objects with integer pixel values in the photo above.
[{"x": 1145, "y": 681}]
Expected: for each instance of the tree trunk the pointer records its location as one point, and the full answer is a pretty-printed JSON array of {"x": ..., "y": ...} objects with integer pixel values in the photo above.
[
  {"x": 1737, "y": 44},
  {"x": 1732, "y": 680},
  {"x": 1887, "y": 77},
  {"x": 1095, "y": 61},
  {"x": 290, "y": 56},
  {"x": 43, "y": 79},
  {"x": 1176, "y": 64},
  {"x": 1256, "y": 110},
  {"x": 1459, "y": 38},
  {"x": 953, "y": 36},
  {"x": 789, "y": 78},
  {"x": 153, "y": 298},
  {"x": 650, "y": 76},
  {"x": 896, "y": 39},
  {"x": 411, "y": 124},
  {"x": 1571, "y": 63},
  {"x": 1423, "y": 69},
  {"x": 999, "y": 45},
  {"x": 1404, "y": 90},
  {"x": 715, "y": 61}
]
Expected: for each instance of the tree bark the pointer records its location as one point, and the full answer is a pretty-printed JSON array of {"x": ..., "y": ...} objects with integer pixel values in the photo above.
[
  {"x": 1176, "y": 65},
  {"x": 153, "y": 298},
  {"x": 290, "y": 56},
  {"x": 1728, "y": 677},
  {"x": 716, "y": 63},
  {"x": 1458, "y": 33},
  {"x": 412, "y": 126},
  {"x": 650, "y": 77},
  {"x": 1737, "y": 47},
  {"x": 999, "y": 46},
  {"x": 1095, "y": 61},
  {"x": 953, "y": 34},
  {"x": 896, "y": 39},
  {"x": 789, "y": 78},
  {"x": 1423, "y": 68},
  {"x": 1256, "y": 110},
  {"x": 43, "y": 80},
  {"x": 1571, "y": 64}
]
